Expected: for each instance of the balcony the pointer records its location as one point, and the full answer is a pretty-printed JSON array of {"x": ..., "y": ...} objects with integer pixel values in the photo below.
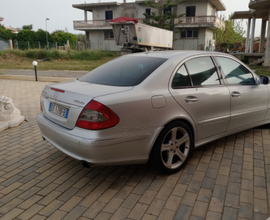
[
  {"x": 199, "y": 21},
  {"x": 91, "y": 24},
  {"x": 95, "y": 24},
  {"x": 259, "y": 5}
]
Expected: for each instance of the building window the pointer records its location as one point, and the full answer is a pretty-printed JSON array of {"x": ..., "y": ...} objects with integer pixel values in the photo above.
[
  {"x": 108, "y": 35},
  {"x": 148, "y": 11},
  {"x": 108, "y": 15},
  {"x": 190, "y": 11},
  {"x": 167, "y": 10},
  {"x": 189, "y": 34}
]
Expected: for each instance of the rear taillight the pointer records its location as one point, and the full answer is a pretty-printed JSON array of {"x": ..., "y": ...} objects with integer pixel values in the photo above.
[{"x": 96, "y": 116}]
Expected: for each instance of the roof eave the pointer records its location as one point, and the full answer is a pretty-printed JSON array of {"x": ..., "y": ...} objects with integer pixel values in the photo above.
[
  {"x": 218, "y": 4},
  {"x": 94, "y": 5}
]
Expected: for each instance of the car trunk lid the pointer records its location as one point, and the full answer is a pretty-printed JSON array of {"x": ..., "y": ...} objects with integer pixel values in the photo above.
[{"x": 62, "y": 103}]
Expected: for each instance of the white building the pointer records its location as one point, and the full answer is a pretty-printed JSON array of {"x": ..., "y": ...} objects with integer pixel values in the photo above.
[
  {"x": 193, "y": 31},
  {"x": 259, "y": 9}
]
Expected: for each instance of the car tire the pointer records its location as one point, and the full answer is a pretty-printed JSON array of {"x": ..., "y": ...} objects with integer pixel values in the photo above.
[{"x": 172, "y": 148}]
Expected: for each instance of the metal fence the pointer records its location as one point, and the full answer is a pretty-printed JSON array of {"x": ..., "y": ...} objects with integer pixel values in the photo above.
[
  {"x": 4, "y": 45},
  {"x": 27, "y": 45}
]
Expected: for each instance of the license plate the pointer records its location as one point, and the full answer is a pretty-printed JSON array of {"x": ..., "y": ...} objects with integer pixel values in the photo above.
[{"x": 58, "y": 110}]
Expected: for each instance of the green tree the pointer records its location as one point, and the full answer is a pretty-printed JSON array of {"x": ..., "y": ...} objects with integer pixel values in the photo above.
[
  {"x": 26, "y": 38},
  {"x": 165, "y": 17},
  {"x": 27, "y": 27},
  {"x": 40, "y": 35},
  {"x": 6, "y": 34},
  {"x": 61, "y": 38},
  {"x": 81, "y": 37},
  {"x": 231, "y": 33},
  {"x": 26, "y": 35}
]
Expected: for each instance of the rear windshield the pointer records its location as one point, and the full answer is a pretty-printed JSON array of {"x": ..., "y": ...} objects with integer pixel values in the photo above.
[{"x": 123, "y": 71}]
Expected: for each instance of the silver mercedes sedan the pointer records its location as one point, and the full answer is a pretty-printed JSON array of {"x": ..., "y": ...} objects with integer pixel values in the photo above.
[{"x": 153, "y": 107}]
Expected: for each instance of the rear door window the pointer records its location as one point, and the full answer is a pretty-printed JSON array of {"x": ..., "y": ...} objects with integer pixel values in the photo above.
[
  {"x": 202, "y": 71},
  {"x": 123, "y": 71}
]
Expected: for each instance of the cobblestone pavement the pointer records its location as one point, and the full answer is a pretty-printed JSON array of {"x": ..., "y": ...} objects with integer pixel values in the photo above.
[{"x": 226, "y": 179}]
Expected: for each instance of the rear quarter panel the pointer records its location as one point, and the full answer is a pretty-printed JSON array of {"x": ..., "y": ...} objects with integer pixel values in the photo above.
[{"x": 135, "y": 108}]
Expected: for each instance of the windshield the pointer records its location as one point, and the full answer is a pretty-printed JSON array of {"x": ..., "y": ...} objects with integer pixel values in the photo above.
[{"x": 123, "y": 71}]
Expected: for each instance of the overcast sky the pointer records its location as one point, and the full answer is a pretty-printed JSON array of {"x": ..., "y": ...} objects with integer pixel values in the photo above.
[{"x": 17, "y": 13}]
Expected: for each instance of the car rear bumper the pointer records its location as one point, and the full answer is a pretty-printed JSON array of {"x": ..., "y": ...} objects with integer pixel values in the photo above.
[{"x": 99, "y": 149}]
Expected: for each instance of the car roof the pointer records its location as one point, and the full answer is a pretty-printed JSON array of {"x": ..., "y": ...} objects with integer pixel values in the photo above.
[{"x": 174, "y": 53}]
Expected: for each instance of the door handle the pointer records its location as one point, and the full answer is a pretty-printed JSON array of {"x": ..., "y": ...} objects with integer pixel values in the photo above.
[
  {"x": 235, "y": 94},
  {"x": 191, "y": 99}
]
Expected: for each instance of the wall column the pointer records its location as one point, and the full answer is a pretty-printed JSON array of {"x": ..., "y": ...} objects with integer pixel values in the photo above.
[
  {"x": 248, "y": 33},
  {"x": 85, "y": 16},
  {"x": 267, "y": 49},
  {"x": 252, "y": 34},
  {"x": 88, "y": 43},
  {"x": 263, "y": 29}
]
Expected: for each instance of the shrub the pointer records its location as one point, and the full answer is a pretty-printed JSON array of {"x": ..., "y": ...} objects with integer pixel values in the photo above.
[{"x": 57, "y": 54}]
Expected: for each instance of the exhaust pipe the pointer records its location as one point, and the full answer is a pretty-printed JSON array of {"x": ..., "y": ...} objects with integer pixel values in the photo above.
[{"x": 86, "y": 164}]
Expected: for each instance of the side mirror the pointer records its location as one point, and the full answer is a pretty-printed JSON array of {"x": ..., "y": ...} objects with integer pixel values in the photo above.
[{"x": 264, "y": 79}]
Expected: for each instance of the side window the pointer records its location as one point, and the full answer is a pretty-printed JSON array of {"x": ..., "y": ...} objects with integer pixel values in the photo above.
[
  {"x": 181, "y": 78},
  {"x": 202, "y": 71},
  {"x": 235, "y": 73},
  {"x": 108, "y": 35}
]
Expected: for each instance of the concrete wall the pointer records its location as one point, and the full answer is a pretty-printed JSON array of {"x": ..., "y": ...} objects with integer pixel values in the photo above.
[
  {"x": 189, "y": 43},
  {"x": 211, "y": 10},
  {"x": 209, "y": 38},
  {"x": 201, "y": 7},
  {"x": 132, "y": 10},
  {"x": 97, "y": 41}
]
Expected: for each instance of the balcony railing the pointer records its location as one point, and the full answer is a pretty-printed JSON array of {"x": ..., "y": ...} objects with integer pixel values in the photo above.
[
  {"x": 216, "y": 21},
  {"x": 95, "y": 23},
  {"x": 91, "y": 23}
]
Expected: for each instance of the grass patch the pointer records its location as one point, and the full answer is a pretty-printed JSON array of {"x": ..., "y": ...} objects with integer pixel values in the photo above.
[
  {"x": 86, "y": 55},
  {"x": 91, "y": 55},
  {"x": 59, "y": 60},
  {"x": 261, "y": 70},
  {"x": 26, "y": 63}
]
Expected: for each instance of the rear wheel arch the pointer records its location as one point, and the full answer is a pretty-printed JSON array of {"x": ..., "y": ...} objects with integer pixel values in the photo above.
[
  {"x": 181, "y": 146},
  {"x": 187, "y": 123}
]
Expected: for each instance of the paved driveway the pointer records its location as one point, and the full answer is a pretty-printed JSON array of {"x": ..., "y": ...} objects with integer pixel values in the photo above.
[{"x": 227, "y": 179}]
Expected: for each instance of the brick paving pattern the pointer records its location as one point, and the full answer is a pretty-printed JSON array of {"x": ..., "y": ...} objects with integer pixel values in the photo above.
[{"x": 226, "y": 179}]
